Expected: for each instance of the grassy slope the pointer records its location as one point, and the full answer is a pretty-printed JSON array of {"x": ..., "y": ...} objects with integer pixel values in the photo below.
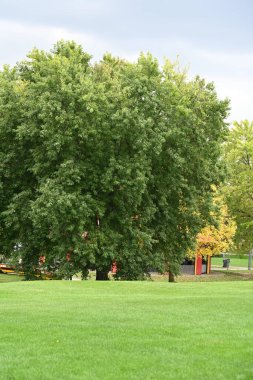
[{"x": 91, "y": 330}]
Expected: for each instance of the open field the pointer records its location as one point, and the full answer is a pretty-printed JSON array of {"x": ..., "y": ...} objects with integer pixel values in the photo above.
[
  {"x": 235, "y": 261},
  {"x": 126, "y": 330}
]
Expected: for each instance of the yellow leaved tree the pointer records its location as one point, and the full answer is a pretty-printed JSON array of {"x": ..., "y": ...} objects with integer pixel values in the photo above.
[{"x": 213, "y": 240}]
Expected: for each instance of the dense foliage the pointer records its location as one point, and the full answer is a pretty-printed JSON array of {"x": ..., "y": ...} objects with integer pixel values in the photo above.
[
  {"x": 239, "y": 185},
  {"x": 105, "y": 162},
  {"x": 216, "y": 238}
]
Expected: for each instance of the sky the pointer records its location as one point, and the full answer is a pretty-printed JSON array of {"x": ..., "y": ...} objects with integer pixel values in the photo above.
[{"x": 213, "y": 38}]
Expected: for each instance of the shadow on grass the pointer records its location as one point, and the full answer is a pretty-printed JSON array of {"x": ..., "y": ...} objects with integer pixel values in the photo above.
[
  {"x": 218, "y": 275},
  {"x": 10, "y": 278}
]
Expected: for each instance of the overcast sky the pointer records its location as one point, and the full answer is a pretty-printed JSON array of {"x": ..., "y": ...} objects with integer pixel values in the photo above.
[{"x": 213, "y": 37}]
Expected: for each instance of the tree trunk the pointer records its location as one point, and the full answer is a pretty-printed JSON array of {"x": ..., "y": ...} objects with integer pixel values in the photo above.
[
  {"x": 171, "y": 277},
  {"x": 102, "y": 275},
  {"x": 250, "y": 259}
]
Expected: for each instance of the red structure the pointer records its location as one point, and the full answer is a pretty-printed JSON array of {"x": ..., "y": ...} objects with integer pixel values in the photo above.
[
  {"x": 198, "y": 265},
  {"x": 198, "y": 268}
]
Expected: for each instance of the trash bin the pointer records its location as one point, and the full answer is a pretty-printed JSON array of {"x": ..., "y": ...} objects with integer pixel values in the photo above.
[{"x": 226, "y": 263}]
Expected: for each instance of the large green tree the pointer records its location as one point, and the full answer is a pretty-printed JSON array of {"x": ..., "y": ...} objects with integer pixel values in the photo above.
[
  {"x": 239, "y": 186},
  {"x": 105, "y": 162}
]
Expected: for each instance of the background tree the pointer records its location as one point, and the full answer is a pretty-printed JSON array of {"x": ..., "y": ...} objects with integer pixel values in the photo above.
[
  {"x": 216, "y": 238},
  {"x": 239, "y": 186},
  {"x": 105, "y": 162}
]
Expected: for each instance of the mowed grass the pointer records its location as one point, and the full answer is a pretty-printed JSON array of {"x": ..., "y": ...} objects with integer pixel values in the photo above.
[
  {"x": 126, "y": 330},
  {"x": 10, "y": 278},
  {"x": 234, "y": 261}
]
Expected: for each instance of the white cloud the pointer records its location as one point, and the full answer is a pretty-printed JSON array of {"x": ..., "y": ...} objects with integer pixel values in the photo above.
[
  {"x": 239, "y": 91},
  {"x": 17, "y": 39},
  {"x": 232, "y": 74},
  {"x": 228, "y": 59}
]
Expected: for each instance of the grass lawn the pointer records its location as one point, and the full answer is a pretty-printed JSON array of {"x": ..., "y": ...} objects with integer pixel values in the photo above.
[
  {"x": 234, "y": 261},
  {"x": 126, "y": 330},
  {"x": 10, "y": 278}
]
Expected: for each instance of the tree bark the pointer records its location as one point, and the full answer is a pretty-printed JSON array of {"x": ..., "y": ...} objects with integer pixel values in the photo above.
[
  {"x": 250, "y": 259},
  {"x": 171, "y": 277},
  {"x": 102, "y": 275}
]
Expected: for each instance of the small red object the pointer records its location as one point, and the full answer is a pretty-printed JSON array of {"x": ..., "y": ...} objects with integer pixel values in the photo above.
[
  {"x": 114, "y": 267},
  {"x": 68, "y": 256},
  {"x": 42, "y": 259}
]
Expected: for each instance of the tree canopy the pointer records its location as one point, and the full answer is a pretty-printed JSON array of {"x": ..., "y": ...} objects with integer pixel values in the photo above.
[
  {"x": 107, "y": 161},
  {"x": 216, "y": 238}
]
